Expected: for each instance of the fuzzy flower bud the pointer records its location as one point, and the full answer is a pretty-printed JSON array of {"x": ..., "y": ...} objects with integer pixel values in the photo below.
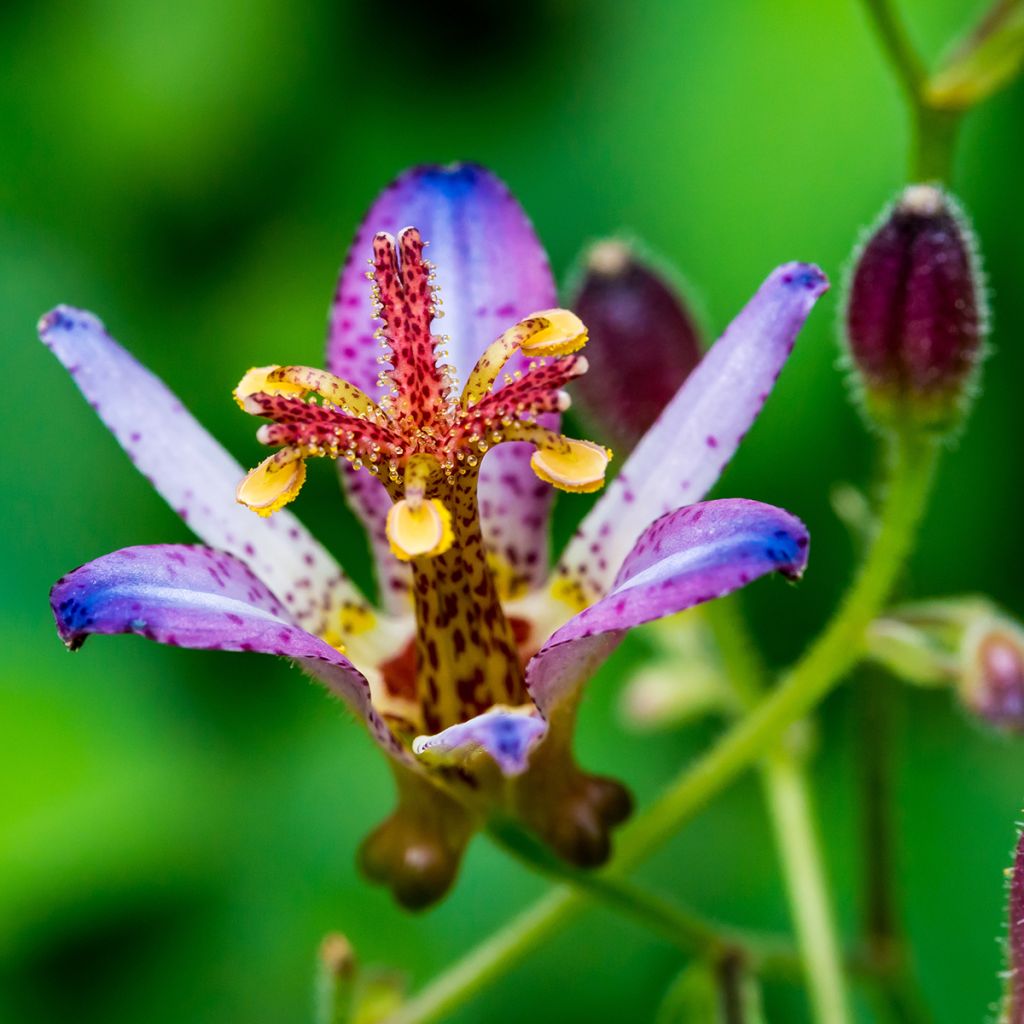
[
  {"x": 915, "y": 315},
  {"x": 643, "y": 341},
  {"x": 967, "y": 643},
  {"x": 992, "y": 676},
  {"x": 1012, "y": 1010}
]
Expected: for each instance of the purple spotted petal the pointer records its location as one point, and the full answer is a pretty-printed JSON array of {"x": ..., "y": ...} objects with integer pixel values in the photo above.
[
  {"x": 507, "y": 734},
  {"x": 679, "y": 459},
  {"x": 192, "y": 472},
  {"x": 686, "y": 557},
  {"x": 200, "y": 598},
  {"x": 492, "y": 271}
]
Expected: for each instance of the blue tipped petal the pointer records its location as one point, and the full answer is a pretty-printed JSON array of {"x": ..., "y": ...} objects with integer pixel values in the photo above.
[
  {"x": 681, "y": 457},
  {"x": 507, "y": 734},
  {"x": 207, "y": 600},
  {"x": 687, "y": 557},
  {"x": 192, "y": 471}
]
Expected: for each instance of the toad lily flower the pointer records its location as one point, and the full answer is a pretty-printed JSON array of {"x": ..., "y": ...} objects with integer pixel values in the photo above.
[{"x": 469, "y": 673}]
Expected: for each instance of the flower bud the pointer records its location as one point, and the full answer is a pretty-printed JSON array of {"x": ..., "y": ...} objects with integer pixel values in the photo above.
[
  {"x": 992, "y": 676},
  {"x": 965, "y": 642},
  {"x": 683, "y": 682},
  {"x": 337, "y": 973},
  {"x": 643, "y": 341},
  {"x": 915, "y": 314},
  {"x": 1012, "y": 1010}
]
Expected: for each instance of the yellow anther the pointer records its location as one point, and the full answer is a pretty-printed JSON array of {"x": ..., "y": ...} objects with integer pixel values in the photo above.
[
  {"x": 417, "y": 531},
  {"x": 577, "y": 466},
  {"x": 258, "y": 381},
  {"x": 561, "y": 333},
  {"x": 329, "y": 387},
  {"x": 273, "y": 483},
  {"x": 551, "y": 332}
]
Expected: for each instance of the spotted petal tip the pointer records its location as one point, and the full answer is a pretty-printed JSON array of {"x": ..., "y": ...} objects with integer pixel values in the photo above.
[
  {"x": 196, "y": 597},
  {"x": 507, "y": 734},
  {"x": 65, "y": 319},
  {"x": 692, "y": 555},
  {"x": 682, "y": 455}
]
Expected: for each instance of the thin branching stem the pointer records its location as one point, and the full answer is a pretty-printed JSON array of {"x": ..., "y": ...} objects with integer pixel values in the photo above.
[
  {"x": 788, "y": 797},
  {"x": 911, "y": 470}
]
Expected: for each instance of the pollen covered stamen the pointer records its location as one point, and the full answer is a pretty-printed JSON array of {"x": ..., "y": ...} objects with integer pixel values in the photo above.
[
  {"x": 426, "y": 448},
  {"x": 258, "y": 379},
  {"x": 577, "y": 466},
  {"x": 346, "y": 397},
  {"x": 552, "y": 332},
  {"x": 276, "y": 481},
  {"x": 420, "y": 530},
  {"x": 418, "y": 526}
]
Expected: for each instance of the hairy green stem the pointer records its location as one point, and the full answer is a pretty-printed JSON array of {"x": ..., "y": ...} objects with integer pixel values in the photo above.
[
  {"x": 790, "y": 804},
  {"x": 911, "y": 470}
]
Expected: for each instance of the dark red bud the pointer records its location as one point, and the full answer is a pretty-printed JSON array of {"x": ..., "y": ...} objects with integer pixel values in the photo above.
[
  {"x": 1012, "y": 1011},
  {"x": 915, "y": 312},
  {"x": 643, "y": 342}
]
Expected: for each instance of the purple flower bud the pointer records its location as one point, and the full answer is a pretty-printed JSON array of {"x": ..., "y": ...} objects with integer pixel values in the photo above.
[
  {"x": 1012, "y": 1010},
  {"x": 915, "y": 314},
  {"x": 643, "y": 341},
  {"x": 992, "y": 679}
]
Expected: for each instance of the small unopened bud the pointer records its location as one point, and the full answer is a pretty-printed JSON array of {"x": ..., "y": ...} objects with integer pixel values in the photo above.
[
  {"x": 912, "y": 652},
  {"x": 336, "y": 980},
  {"x": 643, "y": 341},
  {"x": 1012, "y": 1009},
  {"x": 968, "y": 643},
  {"x": 684, "y": 682},
  {"x": 992, "y": 677},
  {"x": 664, "y": 697},
  {"x": 915, "y": 315}
]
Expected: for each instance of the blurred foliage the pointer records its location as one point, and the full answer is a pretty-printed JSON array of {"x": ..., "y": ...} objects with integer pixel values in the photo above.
[{"x": 177, "y": 829}]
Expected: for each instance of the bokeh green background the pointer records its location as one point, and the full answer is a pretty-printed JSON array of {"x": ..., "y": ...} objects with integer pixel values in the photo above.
[{"x": 177, "y": 829}]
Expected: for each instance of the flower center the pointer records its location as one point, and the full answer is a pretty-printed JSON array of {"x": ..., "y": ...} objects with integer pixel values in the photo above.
[{"x": 424, "y": 442}]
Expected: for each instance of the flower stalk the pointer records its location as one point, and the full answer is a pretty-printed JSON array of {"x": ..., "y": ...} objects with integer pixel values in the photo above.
[
  {"x": 789, "y": 802},
  {"x": 911, "y": 469},
  {"x": 934, "y": 131}
]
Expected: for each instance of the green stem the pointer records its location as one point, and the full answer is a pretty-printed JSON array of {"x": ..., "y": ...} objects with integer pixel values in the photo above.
[
  {"x": 892, "y": 34},
  {"x": 495, "y": 955},
  {"x": 796, "y": 834},
  {"x": 911, "y": 469},
  {"x": 885, "y": 943},
  {"x": 935, "y": 135},
  {"x": 912, "y": 465},
  {"x": 788, "y": 797},
  {"x": 934, "y": 130},
  {"x": 683, "y": 928}
]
